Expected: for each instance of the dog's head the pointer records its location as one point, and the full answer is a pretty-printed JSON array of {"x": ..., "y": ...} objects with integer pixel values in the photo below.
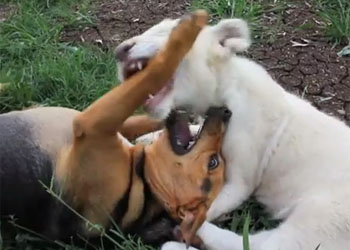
[
  {"x": 186, "y": 171},
  {"x": 196, "y": 80}
]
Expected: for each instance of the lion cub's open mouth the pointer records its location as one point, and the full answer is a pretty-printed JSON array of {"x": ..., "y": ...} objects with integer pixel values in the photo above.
[{"x": 133, "y": 66}]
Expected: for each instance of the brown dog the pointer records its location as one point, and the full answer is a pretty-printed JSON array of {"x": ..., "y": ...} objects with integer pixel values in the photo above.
[{"x": 102, "y": 176}]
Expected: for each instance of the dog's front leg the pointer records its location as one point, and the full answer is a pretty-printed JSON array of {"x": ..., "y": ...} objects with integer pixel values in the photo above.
[
  {"x": 107, "y": 114},
  {"x": 139, "y": 125}
]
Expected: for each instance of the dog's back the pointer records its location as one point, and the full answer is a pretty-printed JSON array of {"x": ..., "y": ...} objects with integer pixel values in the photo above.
[{"x": 29, "y": 143}]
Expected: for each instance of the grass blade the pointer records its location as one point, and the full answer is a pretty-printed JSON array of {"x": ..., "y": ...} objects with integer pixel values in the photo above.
[{"x": 246, "y": 233}]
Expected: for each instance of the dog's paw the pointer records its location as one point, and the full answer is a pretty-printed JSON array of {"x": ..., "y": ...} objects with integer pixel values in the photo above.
[
  {"x": 198, "y": 18},
  {"x": 185, "y": 33}
]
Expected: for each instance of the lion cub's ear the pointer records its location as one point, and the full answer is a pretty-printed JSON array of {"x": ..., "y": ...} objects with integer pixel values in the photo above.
[{"x": 232, "y": 35}]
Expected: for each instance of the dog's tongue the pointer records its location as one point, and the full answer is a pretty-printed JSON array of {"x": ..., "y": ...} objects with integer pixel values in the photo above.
[
  {"x": 179, "y": 131},
  {"x": 182, "y": 133}
]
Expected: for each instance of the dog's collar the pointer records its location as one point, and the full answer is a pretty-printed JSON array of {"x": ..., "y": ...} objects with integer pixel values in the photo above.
[
  {"x": 139, "y": 166},
  {"x": 136, "y": 168},
  {"x": 273, "y": 144},
  {"x": 149, "y": 199}
]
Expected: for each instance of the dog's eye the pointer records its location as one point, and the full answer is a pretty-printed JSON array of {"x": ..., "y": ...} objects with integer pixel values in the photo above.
[{"x": 213, "y": 162}]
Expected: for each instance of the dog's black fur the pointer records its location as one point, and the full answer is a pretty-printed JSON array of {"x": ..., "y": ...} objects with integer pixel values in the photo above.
[{"x": 25, "y": 170}]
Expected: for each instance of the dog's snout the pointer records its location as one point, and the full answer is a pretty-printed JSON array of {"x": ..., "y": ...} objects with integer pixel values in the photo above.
[{"x": 122, "y": 51}]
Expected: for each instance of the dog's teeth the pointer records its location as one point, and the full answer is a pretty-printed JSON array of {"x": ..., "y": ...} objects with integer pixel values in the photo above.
[
  {"x": 190, "y": 144},
  {"x": 150, "y": 96},
  {"x": 132, "y": 66},
  {"x": 139, "y": 65}
]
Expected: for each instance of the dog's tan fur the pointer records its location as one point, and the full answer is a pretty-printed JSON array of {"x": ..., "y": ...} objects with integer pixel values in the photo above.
[
  {"x": 88, "y": 169},
  {"x": 138, "y": 125}
]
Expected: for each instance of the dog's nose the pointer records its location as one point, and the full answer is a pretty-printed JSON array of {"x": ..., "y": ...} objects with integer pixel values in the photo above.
[{"x": 122, "y": 51}]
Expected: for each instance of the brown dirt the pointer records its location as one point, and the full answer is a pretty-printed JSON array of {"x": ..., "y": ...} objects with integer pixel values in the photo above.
[
  {"x": 5, "y": 11},
  {"x": 314, "y": 71},
  {"x": 121, "y": 19}
]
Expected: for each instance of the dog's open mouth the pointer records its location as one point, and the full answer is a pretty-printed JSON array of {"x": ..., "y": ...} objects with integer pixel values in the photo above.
[
  {"x": 182, "y": 139},
  {"x": 133, "y": 66}
]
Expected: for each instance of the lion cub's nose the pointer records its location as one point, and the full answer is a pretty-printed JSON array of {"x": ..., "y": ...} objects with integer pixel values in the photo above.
[
  {"x": 222, "y": 113},
  {"x": 226, "y": 114},
  {"x": 122, "y": 51}
]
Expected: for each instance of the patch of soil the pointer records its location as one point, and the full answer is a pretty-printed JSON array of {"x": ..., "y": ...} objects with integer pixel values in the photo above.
[
  {"x": 303, "y": 62},
  {"x": 5, "y": 11},
  {"x": 118, "y": 20}
]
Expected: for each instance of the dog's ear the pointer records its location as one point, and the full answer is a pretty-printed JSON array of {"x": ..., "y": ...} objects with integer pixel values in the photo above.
[{"x": 233, "y": 36}]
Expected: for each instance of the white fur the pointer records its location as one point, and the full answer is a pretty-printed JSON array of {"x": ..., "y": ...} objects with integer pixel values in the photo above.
[
  {"x": 149, "y": 138},
  {"x": 290, "y": 156}
]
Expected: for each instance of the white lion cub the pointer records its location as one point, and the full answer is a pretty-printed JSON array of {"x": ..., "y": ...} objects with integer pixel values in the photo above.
[{"x": 293, "y": 158}]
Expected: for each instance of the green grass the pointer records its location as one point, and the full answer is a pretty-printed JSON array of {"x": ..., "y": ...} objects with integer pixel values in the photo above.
[
  {"x": 249, "y": 217},
  {"x": 37, "y": 68},
  {"x": 246, "y": 233},
  {"x": 336, "y": 14}
]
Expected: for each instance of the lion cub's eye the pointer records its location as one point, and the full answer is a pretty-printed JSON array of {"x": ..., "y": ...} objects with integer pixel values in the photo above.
[{"x": 213, "y": 162}]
